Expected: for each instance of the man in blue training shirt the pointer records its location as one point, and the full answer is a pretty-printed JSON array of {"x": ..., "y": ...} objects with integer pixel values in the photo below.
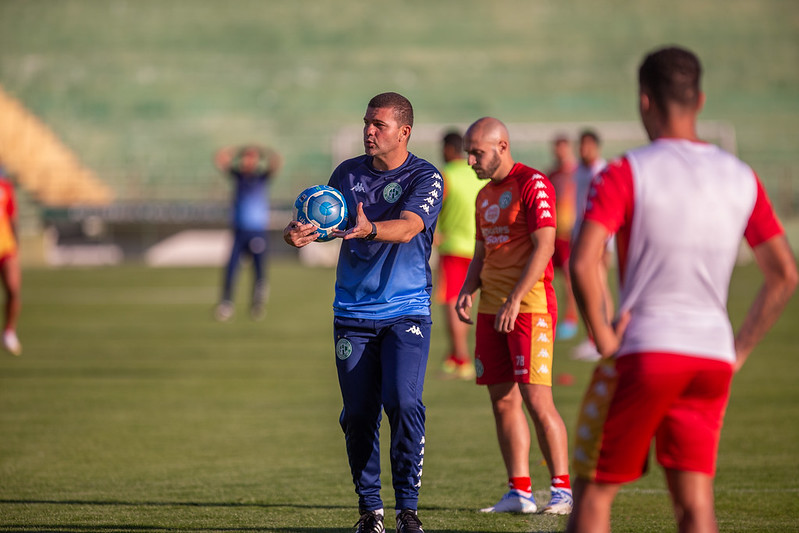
[
  {"x": 382, "y": 306},
  {"x": 251, "y": 168}
]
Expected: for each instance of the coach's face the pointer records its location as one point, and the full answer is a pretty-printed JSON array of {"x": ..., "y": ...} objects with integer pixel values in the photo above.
[{"x": 382, "y": 134}]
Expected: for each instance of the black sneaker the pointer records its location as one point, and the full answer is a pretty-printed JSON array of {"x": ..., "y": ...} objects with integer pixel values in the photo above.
[
  {"x": 370, "y": 522},
  {"x": 408, "y": 522}
]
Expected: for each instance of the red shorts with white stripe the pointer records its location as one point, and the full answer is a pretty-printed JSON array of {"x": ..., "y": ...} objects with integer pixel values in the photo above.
[
  {"x": 522, "y": 356},
  {"x": 678, "y": 400}
]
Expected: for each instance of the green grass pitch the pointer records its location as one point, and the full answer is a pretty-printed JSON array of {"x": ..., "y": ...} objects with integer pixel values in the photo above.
[{"x": 131, "y": 410}]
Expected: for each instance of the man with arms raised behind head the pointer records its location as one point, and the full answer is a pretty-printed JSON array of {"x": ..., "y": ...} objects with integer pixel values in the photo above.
[
  {"x": 679, "y": 208},
  {"x": 512, "y": 267},
  {"x": 382, "y": 306}
]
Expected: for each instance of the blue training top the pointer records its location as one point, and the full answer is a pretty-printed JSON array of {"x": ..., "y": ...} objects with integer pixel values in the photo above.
[
  {"x": 250, "y": 201},
  {"x": 378, "y": 279}
]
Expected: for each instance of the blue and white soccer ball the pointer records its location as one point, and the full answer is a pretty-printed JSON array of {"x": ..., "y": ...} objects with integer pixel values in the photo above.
[{"x": 324, "y": 207}]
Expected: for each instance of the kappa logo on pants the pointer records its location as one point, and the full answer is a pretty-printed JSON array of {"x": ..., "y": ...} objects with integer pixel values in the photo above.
[{"x": 415, "y": 330}]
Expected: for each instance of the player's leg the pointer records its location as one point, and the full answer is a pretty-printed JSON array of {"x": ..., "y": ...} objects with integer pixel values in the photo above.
[
  {"x": 513, "y": 435},
  {"x": 592, "y": 505},
  {"x": 567, "y": 326},
  {"x": 224, "y": 310},
  {"x": 257, "y": 247},
  {"x": 687, "y": 439},
  {"x": 549, "y": 426},
  {"x": 452, "y": 273},
  {"x": 358, "y": 367},
  {"x": 12, "y": 284},
  {"x": 405, "y": 347},
  {"x": 513, "y": 432},
  {"x": 532, "y": 342},
  {"x": 495, "y": 369},
  {"x": 692, "y": 497}
]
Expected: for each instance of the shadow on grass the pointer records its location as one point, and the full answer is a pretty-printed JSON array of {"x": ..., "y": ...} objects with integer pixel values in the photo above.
[
  {"x": 122, "y": 503},
  {"x": 109, "y": 528}
]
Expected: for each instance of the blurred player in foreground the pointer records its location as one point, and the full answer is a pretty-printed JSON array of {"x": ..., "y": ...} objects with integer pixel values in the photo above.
[
  {"x": 562, "y": 177},
  {"x": 9, "y": 265},
  {"x": 512, "y": 267},
  {"x": 251, "y": 168},
  {"x": 455, "y": 247},
  {"x": 679, "y": 208},
  {"x": 382, "y": 306}
]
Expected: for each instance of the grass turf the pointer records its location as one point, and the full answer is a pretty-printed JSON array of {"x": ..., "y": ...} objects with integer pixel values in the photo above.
[{"x": 131, "y": 410}]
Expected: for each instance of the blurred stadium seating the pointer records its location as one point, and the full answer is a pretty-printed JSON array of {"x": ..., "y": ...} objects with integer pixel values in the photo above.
[{"x": 143, "y": 92}]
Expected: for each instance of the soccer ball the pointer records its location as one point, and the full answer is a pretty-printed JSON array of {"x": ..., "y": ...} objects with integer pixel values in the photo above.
[{"x": 324, "y": 207}]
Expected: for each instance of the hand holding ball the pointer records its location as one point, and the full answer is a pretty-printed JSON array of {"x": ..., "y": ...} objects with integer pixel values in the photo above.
[{"x": 324, "y": 207}]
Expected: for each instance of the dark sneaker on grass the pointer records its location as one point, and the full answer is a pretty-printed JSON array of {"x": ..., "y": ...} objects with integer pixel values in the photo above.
[
  {"x": 370, "y": 522},
  {"x": 408, "y": 522}
]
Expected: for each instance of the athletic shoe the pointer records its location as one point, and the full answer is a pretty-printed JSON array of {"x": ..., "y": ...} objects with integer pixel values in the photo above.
[
  {"x": 586, "y": 351},
  {"x": 514, "y": 501},
  {"x": 408, "y": 522},
  {"x": 453, "y": 368},
  {"x": 566, "y": 330},
  {"x": 560, "y": 503},
  {"x": 465, "y": 371},
  {"x": 11, "y": 342},
  {"x": 257, "y": 311},
  {"x": 224, "y": 311},
  {"x": 370, "y": 522}
]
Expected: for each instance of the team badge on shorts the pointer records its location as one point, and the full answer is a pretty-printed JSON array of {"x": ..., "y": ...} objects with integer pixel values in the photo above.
[
  {"x": 504, "y": 200},
  {"x": 392, "y": 192},
  {"x": 478, "y": 368},
  {"x": 343, "y": 349}
]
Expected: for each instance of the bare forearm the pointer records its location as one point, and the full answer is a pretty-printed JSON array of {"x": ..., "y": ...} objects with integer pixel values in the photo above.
[
  {"x": 775, "y": 259},
  {"x": 395, "y": 231},
  {"x": 763, "y": 313},
  {"x": 472, "y": 281}
]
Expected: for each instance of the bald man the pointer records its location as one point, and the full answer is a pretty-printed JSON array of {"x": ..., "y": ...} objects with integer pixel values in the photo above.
[{"x": 512, "y": 267}]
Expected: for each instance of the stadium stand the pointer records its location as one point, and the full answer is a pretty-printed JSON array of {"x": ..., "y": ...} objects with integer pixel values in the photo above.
[{"x": 42, "y": 164}]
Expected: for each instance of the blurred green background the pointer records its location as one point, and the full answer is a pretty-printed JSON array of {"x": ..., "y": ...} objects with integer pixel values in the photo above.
[{"x": 144, "y": 91}]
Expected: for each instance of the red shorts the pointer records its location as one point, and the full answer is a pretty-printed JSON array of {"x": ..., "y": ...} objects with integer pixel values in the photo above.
[
  {"x": 522, "y": 356},
  {"x": 678, "y": 400},
  {"x": 560, "y": 259},
  {"x": 451, "y": 274}
]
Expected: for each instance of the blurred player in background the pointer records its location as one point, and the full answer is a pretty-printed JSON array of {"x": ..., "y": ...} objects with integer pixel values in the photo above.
[
  {"x": 562, "y": 177},
  {"x": 455, "y": 247},
  {"x": 512, "y": 267},
  {"x": 382, "y": 306},
  {"x": 9, "y": 265},
  {"x": 591, "y": 163},
  {"x": 251, "y": 168},
  {"x": 679, "y": 208}
]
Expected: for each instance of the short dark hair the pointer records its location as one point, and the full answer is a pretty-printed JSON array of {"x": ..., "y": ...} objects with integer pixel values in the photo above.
[
  {"x": 454, "y": 140},
  {"x": 403, "y": 110},
  {"x": 591, "y": 134},
  {"x": 671, "y": 75}
]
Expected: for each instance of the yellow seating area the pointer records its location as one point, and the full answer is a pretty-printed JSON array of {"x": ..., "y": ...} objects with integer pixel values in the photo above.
[{"x": 42, "y": 164}]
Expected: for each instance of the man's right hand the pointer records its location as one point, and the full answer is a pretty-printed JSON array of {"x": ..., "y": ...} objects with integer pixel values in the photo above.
[{"x": 463, "y": 307}]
